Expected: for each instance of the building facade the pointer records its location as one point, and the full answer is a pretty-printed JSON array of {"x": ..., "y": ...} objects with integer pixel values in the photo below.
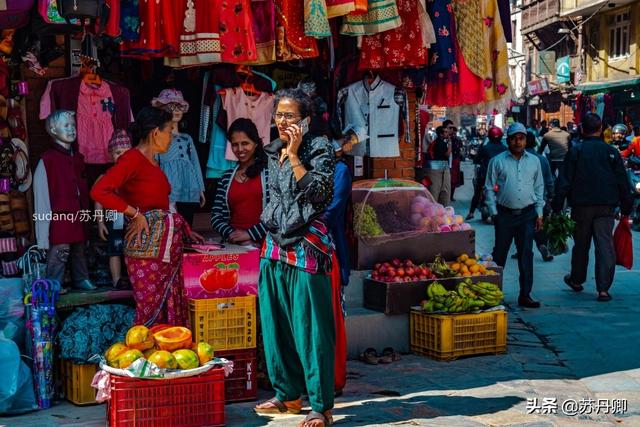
[{"x": 610, "y": 83}]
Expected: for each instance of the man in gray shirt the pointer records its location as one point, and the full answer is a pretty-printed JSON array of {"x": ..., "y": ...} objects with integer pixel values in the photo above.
[
  {"x": 514, "y": 191},
  {"x": 559, "y": 142}
]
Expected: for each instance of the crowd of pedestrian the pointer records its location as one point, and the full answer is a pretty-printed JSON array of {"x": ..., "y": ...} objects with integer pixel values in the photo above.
[{"x": 542, "y": 171}]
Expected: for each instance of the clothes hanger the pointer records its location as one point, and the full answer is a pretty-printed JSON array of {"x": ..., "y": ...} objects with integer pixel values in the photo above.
[{"x": 88, "y": 70}]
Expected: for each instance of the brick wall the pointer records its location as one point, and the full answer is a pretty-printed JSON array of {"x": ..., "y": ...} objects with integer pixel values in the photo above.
[{"x": 403, "y": 166}]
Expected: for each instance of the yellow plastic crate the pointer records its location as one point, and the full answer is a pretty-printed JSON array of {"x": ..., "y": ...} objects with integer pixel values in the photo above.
[
  {"x": 225, "y": 323},
  {"x": 447, "y": 337},
  {"x": 77, "y": 383}
]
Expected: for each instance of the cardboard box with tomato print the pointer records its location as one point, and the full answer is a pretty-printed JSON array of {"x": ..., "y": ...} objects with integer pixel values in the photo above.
[{"x": 221, "y": 271}]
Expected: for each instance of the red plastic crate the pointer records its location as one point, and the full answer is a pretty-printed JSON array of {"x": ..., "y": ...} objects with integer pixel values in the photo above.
[
  {"x": 194, "y": 401},
  {"x": 241, "y": 385}
]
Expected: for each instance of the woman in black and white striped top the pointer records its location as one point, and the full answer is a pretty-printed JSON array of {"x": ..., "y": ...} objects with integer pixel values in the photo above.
[{"x": 242, "y": 192}]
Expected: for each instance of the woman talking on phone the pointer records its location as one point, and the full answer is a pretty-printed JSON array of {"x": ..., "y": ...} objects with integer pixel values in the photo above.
[{"x": 294, "y": 289}]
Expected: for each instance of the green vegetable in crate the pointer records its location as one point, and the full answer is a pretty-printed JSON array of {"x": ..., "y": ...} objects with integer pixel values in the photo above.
[
  {"x": 441, "y": 269},
  {"x": 365, "y": 221},
  {"x": 468, "y": 296},
  {"x": 559, "y": 228}
]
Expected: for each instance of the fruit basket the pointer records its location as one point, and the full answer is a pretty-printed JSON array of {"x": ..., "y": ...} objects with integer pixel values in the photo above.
[
  {"x": 447, "y": 337},
  {"x": 225, "y": 323},
  {"x": 193, "y": 401}
]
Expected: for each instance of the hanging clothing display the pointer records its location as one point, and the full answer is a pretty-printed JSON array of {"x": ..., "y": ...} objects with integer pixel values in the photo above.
[
  {"x": 198, "y": 29},
  {"x": 377, "y": 106},
  {"x": 157, "y": 28},
  {"x": 237, "y": 41},
  {"x": 402, "y": 47},
  {"x": 291, "y": 41},
  {"x": 263, "y": 21},
  {"x": 129, "y": 20},
  {"x": 505, "y": 17},
  {"x": 455, "y": 86},
  {"x": 426, "y": 26},
  {"x": 382, "y": 15},
  {"x": 496, "y": 80},
  {"x": 258, "y": 108},
  {"x": 470, "y": 35},
  {"x": 337, "y": 8},
  {"x": 181, "y": 166},
  {"x": 316, "y": 20},
  {"x": 99, "y": 110}
]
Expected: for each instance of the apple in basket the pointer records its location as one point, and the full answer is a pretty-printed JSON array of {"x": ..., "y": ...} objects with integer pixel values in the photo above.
[{"x": 221, "y": 276}]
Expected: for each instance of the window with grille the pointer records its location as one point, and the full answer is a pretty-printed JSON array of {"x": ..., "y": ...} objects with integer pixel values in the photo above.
[{"x": 619, "y": 30}]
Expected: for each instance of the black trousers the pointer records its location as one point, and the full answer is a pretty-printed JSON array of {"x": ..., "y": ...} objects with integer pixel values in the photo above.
[
  {"x": 521, "y": 228},
  {"x": 593, "y": 222}
]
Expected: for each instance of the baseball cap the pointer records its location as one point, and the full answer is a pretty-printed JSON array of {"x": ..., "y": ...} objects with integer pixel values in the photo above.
[{"x": 516, "y": 128}]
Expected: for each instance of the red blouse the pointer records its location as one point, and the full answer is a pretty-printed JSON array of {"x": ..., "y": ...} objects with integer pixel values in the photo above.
[
  {"x": 134, "y": 181},
  {"x": 245, "y": 202}
]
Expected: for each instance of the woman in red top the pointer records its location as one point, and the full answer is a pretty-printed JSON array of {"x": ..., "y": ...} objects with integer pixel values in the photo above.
[
  {"x": 242, "y": 192},
  {"x": 137, "y": 187}
]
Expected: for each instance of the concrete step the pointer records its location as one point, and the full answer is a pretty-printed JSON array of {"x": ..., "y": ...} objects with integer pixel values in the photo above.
[{"x": 368, "y": 328}]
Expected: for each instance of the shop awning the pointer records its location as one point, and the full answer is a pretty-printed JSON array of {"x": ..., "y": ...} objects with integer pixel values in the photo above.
[{"x": 608, "y": 86}]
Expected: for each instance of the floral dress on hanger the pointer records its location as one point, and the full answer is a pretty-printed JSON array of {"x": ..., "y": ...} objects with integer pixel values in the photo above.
[
  {"x": 291, "y": 41},
  {"x": 402, "y": 47},
  {"x": 237, "y": 41}
]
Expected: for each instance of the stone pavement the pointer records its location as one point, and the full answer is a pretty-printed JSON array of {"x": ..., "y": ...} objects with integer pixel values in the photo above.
[{"x": 572, "y": 349}]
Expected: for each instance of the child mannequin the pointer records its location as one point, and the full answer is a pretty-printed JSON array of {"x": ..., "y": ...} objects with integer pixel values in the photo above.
[
  {"x": 112, "y": 229},
  {"x": 180, "y": 163}
]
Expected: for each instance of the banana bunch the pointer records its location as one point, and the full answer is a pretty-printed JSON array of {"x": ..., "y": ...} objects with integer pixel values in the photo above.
[
  {"x": 441, "y": 269},
  {"x": 468, "y": 296}
]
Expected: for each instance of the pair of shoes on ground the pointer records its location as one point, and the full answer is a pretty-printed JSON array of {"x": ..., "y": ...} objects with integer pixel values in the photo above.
[
  {"x": 371, "y": 356},
  {"x": 603, "y": 296}
]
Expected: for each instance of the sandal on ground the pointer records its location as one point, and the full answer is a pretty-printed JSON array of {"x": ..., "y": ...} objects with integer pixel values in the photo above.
[
  {"x": 573, "y": 286},
  {"x": 604, "y": 296},
  {"x": 279, "y": 407},
  {"x": 326, "y": 420},
  {"x": 390, "y": 352},
  {"x": 370, "y": 356}
]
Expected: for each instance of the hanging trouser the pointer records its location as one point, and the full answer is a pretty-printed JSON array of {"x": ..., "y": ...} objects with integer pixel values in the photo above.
[
  {"x": 298, "y": 330},
  {"x": 340, "y": 364}
]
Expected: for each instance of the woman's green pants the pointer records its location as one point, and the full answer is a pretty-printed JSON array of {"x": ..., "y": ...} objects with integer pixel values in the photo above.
[{"x": 298, "y": 332}]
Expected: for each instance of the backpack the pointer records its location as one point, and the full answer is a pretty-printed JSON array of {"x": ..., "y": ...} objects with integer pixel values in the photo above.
[
  {"x": 70, "y": 9},
  {"x": 14, "y": 13}
]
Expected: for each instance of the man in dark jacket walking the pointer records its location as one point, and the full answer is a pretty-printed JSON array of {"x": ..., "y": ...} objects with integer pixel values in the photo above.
[
  {"x": 594, "y": 180},
  {"x": 559, "y": 142}
]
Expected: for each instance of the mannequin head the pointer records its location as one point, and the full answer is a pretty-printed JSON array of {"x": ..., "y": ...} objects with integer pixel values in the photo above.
[
  {"x": 172, "y": 101},
  {"x": 61, "y": 126}
]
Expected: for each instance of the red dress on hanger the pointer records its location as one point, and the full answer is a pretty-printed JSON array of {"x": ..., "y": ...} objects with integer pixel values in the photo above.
[
  {"x": 236, "y": 32},
  {"x": 402, "y": 47},
  {"x": 291, "y": 42},
  {"x": 158, "y": 29}
]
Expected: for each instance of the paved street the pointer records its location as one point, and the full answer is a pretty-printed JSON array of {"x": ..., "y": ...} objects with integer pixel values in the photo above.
[{"x": 573, "y": 348}]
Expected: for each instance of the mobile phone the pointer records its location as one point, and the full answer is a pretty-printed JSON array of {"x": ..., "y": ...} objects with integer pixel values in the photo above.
[{"x": 304, "y": 126}]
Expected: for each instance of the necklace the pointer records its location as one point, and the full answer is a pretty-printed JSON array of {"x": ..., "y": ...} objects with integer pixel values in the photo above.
[{"x": 241, "y": 176}]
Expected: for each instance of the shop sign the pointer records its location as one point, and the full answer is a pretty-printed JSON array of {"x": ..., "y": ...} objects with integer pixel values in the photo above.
[
  {"x": 563, "y": 70},
  {"x": 546, "y": 62},
  {"x": 536, "y": 87}
]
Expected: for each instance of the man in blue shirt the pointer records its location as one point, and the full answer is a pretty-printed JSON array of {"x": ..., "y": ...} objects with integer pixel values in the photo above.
[{"x": 514, "y": 192}]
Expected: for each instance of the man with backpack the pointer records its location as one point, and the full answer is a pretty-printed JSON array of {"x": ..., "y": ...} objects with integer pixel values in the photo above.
[{"x": 594, "y": 181}]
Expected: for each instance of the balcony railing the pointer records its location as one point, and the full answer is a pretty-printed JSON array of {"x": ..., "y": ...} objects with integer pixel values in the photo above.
[{"x": 539, "y": 13}]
